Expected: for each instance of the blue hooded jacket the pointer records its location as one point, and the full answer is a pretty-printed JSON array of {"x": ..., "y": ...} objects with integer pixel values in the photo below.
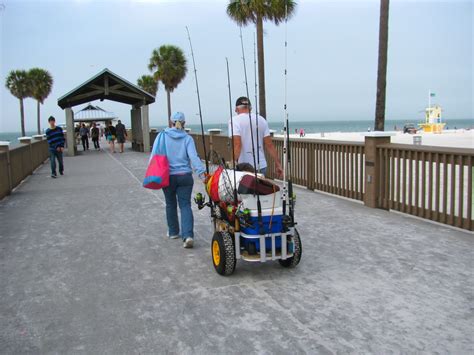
[{"x": 180, "y": 150}]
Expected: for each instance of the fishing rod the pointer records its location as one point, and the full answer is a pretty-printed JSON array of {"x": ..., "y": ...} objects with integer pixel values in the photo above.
[
  {"x": 287, "y": 195},
  {"x": 199, "y": 103},
  {"x": 259, "y": 205},
  {"x": 232, "y": 133},
  {"x": 256, "y": 102}
]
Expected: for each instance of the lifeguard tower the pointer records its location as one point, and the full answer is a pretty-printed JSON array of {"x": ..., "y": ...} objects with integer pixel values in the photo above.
[{"x": 433, "y": 122}]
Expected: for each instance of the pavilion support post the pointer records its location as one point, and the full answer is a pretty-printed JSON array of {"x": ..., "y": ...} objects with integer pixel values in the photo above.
[
  {"x": 70, "y": 139},
  {"x": 136, "y": 121},
  {"x": 145, "y": 128}
]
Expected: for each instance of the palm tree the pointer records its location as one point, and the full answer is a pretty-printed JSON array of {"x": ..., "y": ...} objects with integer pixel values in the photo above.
[
  {"x": 170, "y": 68},
  {"x": 41, "y": 85},
  {"x": 382, "y": 67},
  {"x": 18, "y": 84},
  {"x": 148, "y": 83},
  {"x": 256, "y": 11}
]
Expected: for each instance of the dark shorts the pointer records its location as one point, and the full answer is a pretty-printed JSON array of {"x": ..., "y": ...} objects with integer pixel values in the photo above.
[{"x": 120, "y": 139}]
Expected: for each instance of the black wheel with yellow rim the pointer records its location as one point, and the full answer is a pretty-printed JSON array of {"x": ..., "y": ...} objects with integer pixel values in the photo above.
[{"x": 223, "y": 253}]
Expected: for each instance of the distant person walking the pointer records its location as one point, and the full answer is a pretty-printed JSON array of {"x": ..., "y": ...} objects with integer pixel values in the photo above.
[
  {"x": 111, "y": 135},
  {"x": 55, "y": 137},
  {"x": 183, "y": 158},
  {"x": 95, "y": 134},
  {"x": 84, "y": 132},
  {"x": 121, "y": 134},
  {"x": 244, "y": 130}
]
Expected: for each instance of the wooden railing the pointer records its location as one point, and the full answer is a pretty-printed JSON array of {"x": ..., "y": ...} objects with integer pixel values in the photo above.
[
  {"x": 330, "y": 166},
  {"x": 428, "y": 182}
]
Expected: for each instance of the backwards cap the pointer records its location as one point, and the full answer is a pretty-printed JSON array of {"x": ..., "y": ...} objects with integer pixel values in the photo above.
[
  {"x": 242, "y": 101},
  {"x": 178, "y": 116}
]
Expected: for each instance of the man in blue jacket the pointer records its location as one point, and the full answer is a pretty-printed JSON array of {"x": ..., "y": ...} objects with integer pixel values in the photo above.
[{"x": 55, "y": 137}]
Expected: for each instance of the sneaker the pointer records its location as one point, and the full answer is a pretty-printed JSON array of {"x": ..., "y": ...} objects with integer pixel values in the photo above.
[
  {"x": 188, "y": 243},
  {"x": 61, "y": 173},
  {"x": 53, "y": 176},
  {"x": 172, "y": 236}
]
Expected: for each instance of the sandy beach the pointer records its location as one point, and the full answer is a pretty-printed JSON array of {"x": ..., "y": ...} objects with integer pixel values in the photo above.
[{"x": 459, "y": 138}]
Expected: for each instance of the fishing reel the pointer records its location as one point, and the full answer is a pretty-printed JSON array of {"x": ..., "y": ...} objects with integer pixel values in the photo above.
[
  {"x": 244, "y": 217},
  {"x": 293, "y": 200},
  {"x": 200, "y": 201},
  {"x": 288, "y": 221}
]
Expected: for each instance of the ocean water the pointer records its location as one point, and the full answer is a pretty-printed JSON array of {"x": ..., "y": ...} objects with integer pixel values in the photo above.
[
  {"x": 308, "y": 126},
  {"x": 12, "y": 137},
  {"x": 337, "y": 126}
]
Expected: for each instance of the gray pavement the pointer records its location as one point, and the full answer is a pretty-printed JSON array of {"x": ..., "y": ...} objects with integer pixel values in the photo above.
[{"x": 86, "y": 268}]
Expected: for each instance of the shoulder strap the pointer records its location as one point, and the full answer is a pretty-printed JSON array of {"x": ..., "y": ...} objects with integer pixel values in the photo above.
[{"x": 161, "y": 143}]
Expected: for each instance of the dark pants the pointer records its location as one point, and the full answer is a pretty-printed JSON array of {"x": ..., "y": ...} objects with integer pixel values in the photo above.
[
  {"x": 85, "y": 142},
  {"x": 96, "y": 143},
  {"x": 53, "y": 155}
]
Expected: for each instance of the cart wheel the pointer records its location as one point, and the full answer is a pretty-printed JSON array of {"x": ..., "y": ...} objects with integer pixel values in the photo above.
[
  {"x": 298, "y": 249},
  {"x": 223, "y": 253}
]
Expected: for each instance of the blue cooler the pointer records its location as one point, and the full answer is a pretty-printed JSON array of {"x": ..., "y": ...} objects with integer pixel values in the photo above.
[{"x": 276, "y": 218}]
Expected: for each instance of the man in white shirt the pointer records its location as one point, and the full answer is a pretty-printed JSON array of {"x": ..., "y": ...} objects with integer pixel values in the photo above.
[{"x": 242, "y": 130}]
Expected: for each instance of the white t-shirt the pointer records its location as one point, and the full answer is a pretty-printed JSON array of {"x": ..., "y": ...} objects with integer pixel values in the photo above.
[{"x": 242, "y": 128}]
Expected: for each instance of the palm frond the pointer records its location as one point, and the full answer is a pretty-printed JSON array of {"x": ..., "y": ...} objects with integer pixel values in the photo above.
[
  {"x": 148, "y": 83},
  {"x": 18, "y": 83},
  {"x": 244, "y": 12},
  {"x": 41, "y": 83},
  {"x": 170, "y": 64}
]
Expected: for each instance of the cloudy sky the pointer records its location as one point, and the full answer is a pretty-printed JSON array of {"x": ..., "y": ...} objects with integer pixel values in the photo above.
[{"x": 332, "y": 56}]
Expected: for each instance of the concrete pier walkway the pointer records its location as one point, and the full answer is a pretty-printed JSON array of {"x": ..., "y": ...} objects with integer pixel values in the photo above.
[{"x": 86, "y": 268}]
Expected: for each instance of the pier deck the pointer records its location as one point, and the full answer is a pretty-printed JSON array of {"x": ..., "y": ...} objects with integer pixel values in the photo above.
[{"x": 86, "y": 268}]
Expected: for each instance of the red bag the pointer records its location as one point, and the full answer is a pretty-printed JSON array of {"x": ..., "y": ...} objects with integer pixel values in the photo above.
[
  {"x": 213, "y": 185},
  {"x": 158, "y": 172}
]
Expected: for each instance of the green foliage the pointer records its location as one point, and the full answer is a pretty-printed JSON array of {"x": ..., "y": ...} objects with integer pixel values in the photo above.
[
  {"x": 148, "y": 83},
  {"x": 41, "y": 83},
  {"x": 18, "y": 82},
  {"x": 169, "y": 65},
  {"x": 246, "y": 11}
]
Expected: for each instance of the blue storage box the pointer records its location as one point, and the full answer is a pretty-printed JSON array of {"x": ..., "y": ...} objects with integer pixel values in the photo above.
[{"x": 276, "y": 218}]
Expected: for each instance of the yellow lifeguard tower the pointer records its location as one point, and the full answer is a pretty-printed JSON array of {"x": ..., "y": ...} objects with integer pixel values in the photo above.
[{"x": 433, "y": 122}]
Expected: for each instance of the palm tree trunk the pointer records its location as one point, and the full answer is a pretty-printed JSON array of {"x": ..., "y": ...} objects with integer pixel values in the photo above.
[
  {"x": 168, "y": 98},
  {"x": 38, "y": 116},
  {"x": 382, "y": 67},
  {"x": 22, "y": 117},
  {"x": 261, "y": 69}
]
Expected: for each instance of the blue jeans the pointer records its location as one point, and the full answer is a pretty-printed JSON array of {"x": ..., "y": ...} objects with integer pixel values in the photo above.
[
  {"x": 53, "y": 155},
  {"x": 179, "y": 192}
]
